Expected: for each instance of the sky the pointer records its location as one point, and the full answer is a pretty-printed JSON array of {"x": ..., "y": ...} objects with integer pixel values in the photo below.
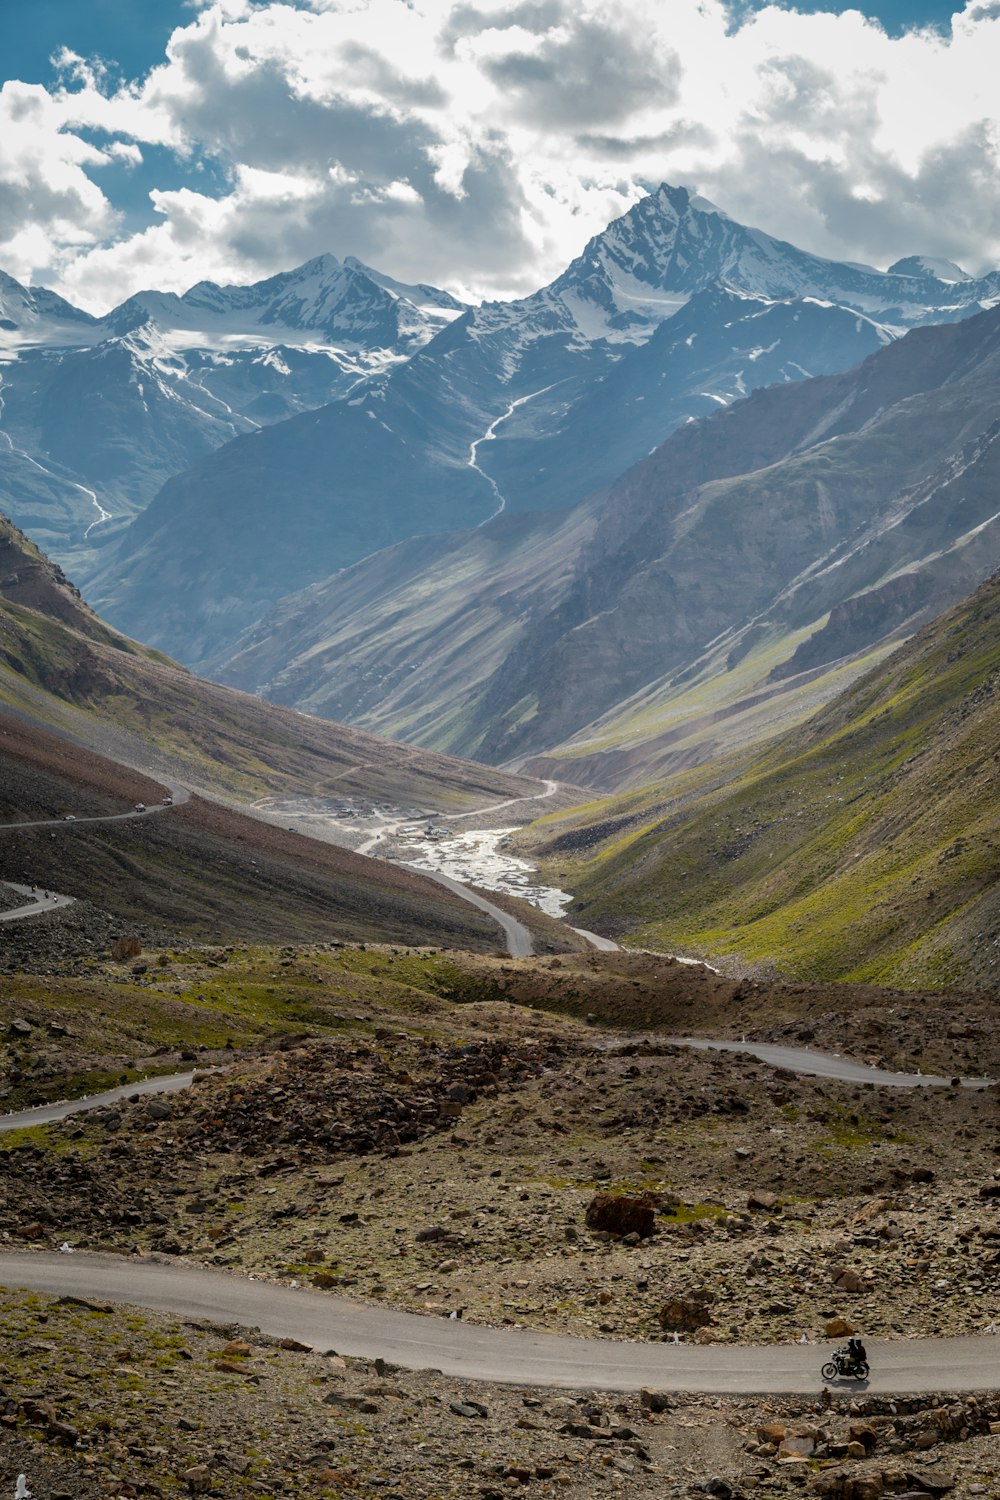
[{"x": 478, "y": 144}]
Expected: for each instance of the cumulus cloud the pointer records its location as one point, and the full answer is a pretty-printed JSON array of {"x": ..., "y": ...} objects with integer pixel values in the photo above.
[{"x": 478, "y": 143}]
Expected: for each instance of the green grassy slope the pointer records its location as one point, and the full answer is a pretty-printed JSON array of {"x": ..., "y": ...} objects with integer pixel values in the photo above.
[{"x": 863, "y": 845}]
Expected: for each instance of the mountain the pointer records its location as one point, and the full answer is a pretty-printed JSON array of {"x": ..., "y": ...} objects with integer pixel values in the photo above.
[
  {"x": 497, "y": 413},
  {"x": 91, "y": 722},
  {"x": 63, "y": 669},
  {"x": 97, "y": 414},
  {"x": 865, "y": 845},
  {"x": 36, "y": 315},
  {"x": 723, "y": 585}
]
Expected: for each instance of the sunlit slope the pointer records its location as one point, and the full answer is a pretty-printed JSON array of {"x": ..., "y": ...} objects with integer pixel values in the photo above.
[{"x": 863, "y": 845}]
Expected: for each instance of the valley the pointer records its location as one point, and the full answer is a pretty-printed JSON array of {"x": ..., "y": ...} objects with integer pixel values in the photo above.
[{"x": 504, "y": 1026}]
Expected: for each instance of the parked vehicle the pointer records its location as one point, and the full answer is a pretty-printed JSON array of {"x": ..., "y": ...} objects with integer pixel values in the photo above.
[{"x": 140, "y": 807}]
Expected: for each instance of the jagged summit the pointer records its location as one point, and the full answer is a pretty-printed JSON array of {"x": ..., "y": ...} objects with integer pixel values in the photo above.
[{"x": 36, "y": 314}]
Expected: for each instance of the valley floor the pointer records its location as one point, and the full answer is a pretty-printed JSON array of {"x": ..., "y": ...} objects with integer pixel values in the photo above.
[{"x": 426, "y": 1129}]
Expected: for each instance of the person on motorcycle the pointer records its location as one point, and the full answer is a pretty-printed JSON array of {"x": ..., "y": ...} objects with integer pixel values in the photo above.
[{"x": 856, "y": 1353}]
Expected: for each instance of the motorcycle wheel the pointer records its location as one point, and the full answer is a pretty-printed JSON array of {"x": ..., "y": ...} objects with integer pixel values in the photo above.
[
  {"x": 861, "y": 1373},
  {"x": 829, "y": 1371}
]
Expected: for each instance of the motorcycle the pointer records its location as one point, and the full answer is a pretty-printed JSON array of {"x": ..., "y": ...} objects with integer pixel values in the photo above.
[{"x": 843, "y": 1367}]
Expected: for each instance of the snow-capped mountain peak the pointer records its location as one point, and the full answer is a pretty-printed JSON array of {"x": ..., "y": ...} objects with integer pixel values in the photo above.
[
  {"x": 929, "y": 266},
  {"x": 36, "y": 315}
]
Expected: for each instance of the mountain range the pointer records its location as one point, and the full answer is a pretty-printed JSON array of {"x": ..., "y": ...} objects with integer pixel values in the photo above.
[
  {"x": 528, "y": 527},
  {"x": 511, "y": 406},
  {"x": 726, "y": 583},
  {"x": 97, "y": 413}
]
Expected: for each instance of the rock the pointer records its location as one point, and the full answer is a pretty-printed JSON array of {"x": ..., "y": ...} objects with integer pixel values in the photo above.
[
  {"x": 19, "y": 1027},
  {"x": 933, "y": 1484},
  {"x": 64, "y": 1432},
  {"x": 325, "y": 1279},
  {"x": 684, "y": 1315},
  {"x": 468, "y": 1408},
  {"x": 433, "y": 1232},
  {"x": 87, "y": 1302},
  {"x": 295, "y": 1346},
  {"x": 238, "y": 1347},
  {"x": 846, "y": 1280},
  {"x": 797, "y": 1445},
  {"x": 838, "y": 1328},
  {"x": 843, "y": 1484},
  {"x": 772, "y": 1432},
  {"x": 762, "y": 1201},
  {"x": 622, "y": 1214},
  {"x": 198, "y": 1479},
  {"x": 654, "y": 1401}
]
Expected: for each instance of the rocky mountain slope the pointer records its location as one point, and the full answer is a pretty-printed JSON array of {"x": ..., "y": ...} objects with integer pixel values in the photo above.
[
  {"x": 97, "y": 414},
  {"x": 189, "y": 873},
  {"x": 724, "y": 585},
  {"x": 63, "y": 668},
  {"x": 865, "y": 844},
  {"x": 88, "y": 719},
  {"x": 497, "y": 412}
]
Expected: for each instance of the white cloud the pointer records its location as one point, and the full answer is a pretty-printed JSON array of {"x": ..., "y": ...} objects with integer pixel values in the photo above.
[{"x": 479, "y": 142}]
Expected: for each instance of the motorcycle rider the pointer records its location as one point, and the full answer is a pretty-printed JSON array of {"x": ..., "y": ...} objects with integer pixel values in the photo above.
[{"x": 856, "y": 1353}]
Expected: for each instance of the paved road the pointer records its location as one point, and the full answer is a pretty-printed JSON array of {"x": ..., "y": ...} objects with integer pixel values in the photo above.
[
  {"x": 48, "y": 1114},
  {"x": 180, "y": 795},
  {"x": 50, "y": 901},
  {"x": 44, "y": 901},
  {"x": 825, "y": 1064},
  {"x": 517, "y": 937},
  {"x": 602, "y": 944},
  {"x": 464, "y": 1350}
]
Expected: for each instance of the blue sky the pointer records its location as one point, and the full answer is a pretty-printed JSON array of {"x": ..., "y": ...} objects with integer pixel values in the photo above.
[
  {"x": 895, "y": 15},
  {"x": 479, "y": 143},
  {"x": 130, "y": 33}
]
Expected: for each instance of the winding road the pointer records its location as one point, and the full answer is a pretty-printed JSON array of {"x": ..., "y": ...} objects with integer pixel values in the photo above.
[
  {"x": 468, "y": 1352},
  {"x": 50, "y": 900},
  {"x": 826, "y": 1064},
  {"x": 460, "y": 1349}
]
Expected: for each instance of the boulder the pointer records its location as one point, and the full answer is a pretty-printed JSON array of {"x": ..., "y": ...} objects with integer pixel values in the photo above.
[
  {"x": 762, "y": 1202},
  {"x": 622, "y": 1214},
  {"x": 845, "y": 1279},
  {"x": 838, "y": 1328},
  {"x": 684, "y": 1315}
]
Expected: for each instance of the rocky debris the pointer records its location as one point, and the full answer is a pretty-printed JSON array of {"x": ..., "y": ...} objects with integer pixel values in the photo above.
[{"x": 329, "y": 1099}]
